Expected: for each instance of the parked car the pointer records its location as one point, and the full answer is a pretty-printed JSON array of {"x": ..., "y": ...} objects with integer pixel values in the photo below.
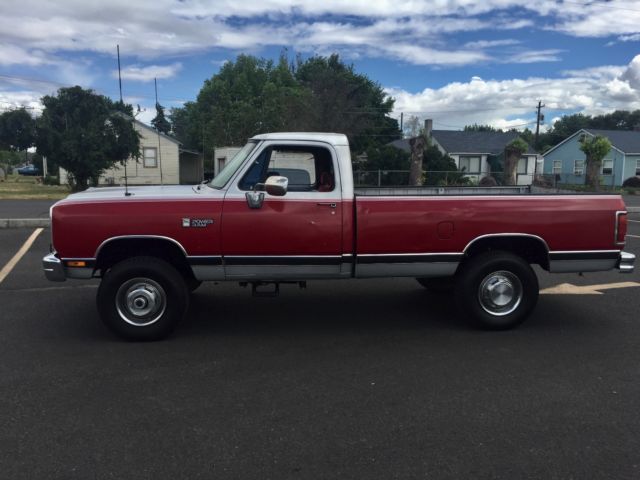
[
  {"x": 31, "y": 170},
  {"x": 285, "y": 210}
]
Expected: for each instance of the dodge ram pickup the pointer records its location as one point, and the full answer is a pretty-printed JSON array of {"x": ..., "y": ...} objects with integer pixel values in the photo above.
[{"x": 285, "y": 210}]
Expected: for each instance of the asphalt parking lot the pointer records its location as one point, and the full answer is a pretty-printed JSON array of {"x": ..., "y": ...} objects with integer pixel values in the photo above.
[{"x": 351, "y": 379}]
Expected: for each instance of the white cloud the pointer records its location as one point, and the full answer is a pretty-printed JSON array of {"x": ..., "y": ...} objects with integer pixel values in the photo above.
[
  {"x": 413, "y": 32},
  {"x": 147, "y": 73},
  {"x": 535, "y": 56},
  {"x": 504, "y": 103}
]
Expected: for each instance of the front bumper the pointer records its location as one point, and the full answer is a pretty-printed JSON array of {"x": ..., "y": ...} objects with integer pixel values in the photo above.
[
  {"x": 626, "y": 261},
  {"x": 53, "y": 268}
]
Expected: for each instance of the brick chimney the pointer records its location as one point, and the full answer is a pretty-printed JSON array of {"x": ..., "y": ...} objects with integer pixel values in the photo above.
[{"x": 428, "y": 126}]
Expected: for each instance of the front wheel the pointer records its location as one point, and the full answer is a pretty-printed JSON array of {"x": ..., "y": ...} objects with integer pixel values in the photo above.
[
  {"x": 142, "y": 298},
  {"x": 496, "y": 290}
]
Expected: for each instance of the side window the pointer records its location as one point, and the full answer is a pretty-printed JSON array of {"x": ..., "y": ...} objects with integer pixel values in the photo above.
[{"x": 308, "y": 169}]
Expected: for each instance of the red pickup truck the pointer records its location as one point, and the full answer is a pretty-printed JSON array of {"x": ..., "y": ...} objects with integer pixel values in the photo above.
[{"x": 284, "y": 209}]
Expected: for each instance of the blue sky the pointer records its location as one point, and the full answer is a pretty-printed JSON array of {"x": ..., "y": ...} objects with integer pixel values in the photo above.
[{"x": 456, "y": 61}]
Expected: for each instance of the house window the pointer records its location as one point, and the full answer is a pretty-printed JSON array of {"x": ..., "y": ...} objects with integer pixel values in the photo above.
[
  {"x": 469, "y": 164},
  {"x": 522, "y": 165},
  {"x": 150, "y": 157},
  {"x": 221, "y": 163},
  {"x": 578, "y": 167},
  {"x": 637, "y": 167},
  {"x": 557, "y": 167},
  {"x": 607, "y": 167}
]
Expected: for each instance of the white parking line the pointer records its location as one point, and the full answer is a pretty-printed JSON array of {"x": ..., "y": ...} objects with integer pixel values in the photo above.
[
  {"x": 634, "y": 221},
  {"x": 633, "y": 236},
  {"x": 6, "y": 270}
]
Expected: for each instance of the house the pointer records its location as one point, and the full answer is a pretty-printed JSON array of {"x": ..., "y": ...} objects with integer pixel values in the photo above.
[
  {"x": 566, "y": 162},
  {"x": 161, "y": 162},
  {"x": 476, "y": 151},
  {"x": 222, "y": 155}
]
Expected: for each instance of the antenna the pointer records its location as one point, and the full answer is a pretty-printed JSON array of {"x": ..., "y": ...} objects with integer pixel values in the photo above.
[
  {"x": 126, "y": 184},
  {"x": 155, "y": 83}
]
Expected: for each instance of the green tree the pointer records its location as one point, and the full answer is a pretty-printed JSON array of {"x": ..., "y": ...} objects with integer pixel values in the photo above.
[
  {"x": 512, "y": 154},
  {"x": 595, "y": 149},
  {"x": 252, "y": 96},
  {"x": 440, "y": 169},
  {"x": 17, "y": 131},
  {"x": 160, "y": 121},
  {"x": 347, "y": 102},
  {"x": 480, "y": 128},
  {"x": 86, "y": 133}
]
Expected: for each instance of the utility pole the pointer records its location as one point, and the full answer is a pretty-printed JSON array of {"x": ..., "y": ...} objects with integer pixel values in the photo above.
[
  {"x": 402, "y": 123},
  {"x": 155, "y": 83},
  {"x": 539, "y": 118},
  {"x": 126, "y": 181}
]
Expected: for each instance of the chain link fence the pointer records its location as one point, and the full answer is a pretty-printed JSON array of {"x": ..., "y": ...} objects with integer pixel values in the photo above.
[{"x": 433, "y": 178}]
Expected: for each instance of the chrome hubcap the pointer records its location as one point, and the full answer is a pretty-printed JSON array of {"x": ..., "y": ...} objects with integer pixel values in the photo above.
[
  {"x": 141, "y": 301},
  {"x": 500, "y": 293}
]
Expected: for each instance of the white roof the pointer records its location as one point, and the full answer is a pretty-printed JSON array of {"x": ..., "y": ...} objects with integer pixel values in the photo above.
[{"x": 331, "y": 138}]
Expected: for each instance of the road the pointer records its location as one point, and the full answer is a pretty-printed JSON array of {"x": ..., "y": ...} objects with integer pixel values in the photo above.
[
  {"x": 25, "y": 208},
  {"x": 371, "y": 379}
]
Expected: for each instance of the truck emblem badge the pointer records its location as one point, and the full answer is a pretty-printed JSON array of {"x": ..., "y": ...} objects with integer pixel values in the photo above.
[{"x": 196, "y": 222}]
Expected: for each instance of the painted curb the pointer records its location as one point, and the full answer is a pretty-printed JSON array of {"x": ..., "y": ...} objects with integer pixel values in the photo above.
[{"x": 24, "y": 222}]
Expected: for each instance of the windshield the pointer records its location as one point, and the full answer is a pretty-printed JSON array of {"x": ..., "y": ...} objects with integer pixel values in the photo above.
[{"x": 232, "y": 167}]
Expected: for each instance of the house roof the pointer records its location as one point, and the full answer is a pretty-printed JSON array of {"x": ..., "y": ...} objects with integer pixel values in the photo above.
[
  {"x": 492, "y": 143},
  {"x": 148, "y": 127},
  {"x": 454, "y": 142},
  {"x": 625, "y": 141}
]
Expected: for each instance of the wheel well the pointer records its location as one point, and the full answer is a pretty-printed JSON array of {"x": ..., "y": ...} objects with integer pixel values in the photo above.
[
  {"x": 531, "y": 249},
  {"x": 122, "y": 248}
]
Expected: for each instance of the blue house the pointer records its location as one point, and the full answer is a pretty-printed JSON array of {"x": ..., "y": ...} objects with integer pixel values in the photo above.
[{"x": 566, "y": 162}]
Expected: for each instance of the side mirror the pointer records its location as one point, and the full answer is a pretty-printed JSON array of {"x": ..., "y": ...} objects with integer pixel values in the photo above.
[{"x": 276, "y": 185}]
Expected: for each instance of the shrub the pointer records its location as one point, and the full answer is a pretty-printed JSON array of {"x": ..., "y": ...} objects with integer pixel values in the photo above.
[
  {"x": 633, "y": 182},
  {"x": 51, "y": 180},
  {"x": 488, "y": 181}
]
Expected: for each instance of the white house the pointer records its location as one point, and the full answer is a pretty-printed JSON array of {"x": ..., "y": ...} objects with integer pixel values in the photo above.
[
  {"x": 160, "y": 162},
  {"x": 474, "y": 151}
]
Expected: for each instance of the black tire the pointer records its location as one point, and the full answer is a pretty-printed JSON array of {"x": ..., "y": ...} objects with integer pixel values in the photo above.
[
  {"x": 192, "y": 283},
  {"x": 142, "y": 298},
  {"x": 496, "y": 290},
  {"x": 438, "y": 285}
]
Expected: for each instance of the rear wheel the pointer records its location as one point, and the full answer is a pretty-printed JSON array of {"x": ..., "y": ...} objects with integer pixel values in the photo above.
[
  {"x": 142, "y": 298},
  {"x": 496, "y": 290}
]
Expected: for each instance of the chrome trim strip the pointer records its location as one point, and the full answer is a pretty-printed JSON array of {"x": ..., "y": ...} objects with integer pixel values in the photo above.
[
  {"x": 615, "y": 230},
  {"x": 585, "y": 255},
  {"x": 489, "y": 235},
  {"x": 285, "y": 272},
  {"x": 407, "y": 258},
  {"x": 155, "y": 237},
  {"x": 585, "y": 265},
  {"x": 244, "y": 260},
  {"x": 416, "y": 269}
]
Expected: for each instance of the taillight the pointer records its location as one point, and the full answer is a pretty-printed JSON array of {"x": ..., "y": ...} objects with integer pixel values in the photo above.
[{"x": 621, "y": 227}]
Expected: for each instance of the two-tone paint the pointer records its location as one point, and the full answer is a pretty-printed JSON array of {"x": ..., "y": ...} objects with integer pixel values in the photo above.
[{"x": 336, "y": 234}]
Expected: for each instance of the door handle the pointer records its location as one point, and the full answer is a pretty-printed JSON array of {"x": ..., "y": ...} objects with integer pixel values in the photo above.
[{"x": 326, "y": 204}]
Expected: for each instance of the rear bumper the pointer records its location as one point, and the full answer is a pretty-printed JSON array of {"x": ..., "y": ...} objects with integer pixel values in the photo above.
[
  {"x": 53, "y": 268},
  {"x": 626, "y": 261}
]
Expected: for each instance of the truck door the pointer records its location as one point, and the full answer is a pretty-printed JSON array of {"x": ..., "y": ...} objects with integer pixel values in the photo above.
[{"x": 295, "y": 236}]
